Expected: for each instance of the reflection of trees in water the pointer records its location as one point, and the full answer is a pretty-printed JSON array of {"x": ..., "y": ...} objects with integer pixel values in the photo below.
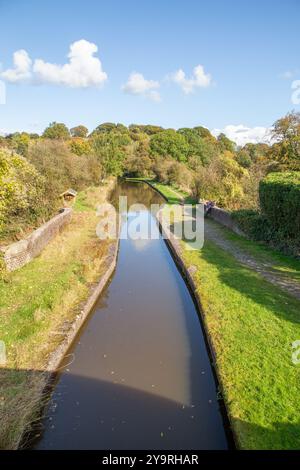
[{"x": 137, "y": 193}]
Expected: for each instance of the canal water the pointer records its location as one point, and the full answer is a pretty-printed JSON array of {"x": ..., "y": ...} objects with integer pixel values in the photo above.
[{"x": 139, "y": 374}]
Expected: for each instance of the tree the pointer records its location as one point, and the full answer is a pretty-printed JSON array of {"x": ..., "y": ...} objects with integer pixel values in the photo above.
[
  {"x": 18, "y": 142},
  {"x": 225, "y": 143},
  {"x": 110, "y": 149},
  {"x": 107, "y": 127},
  {"x": 221, "y": 181},
  {"x": 138, "y": 163},
  {"x": 180, "y": 176},
  {"x": 56, "y": 130},
  {"x": 80, "y": 146},
  {"x": 146, "y": 129},
  {"x": 169, "y": 142},
  {"x": 79, "y": 131},
  {"x": 21, "y": 189},
  {"x": 243, "y": 158},
  {"x": 201, "y": 146},
  {"x": 287, "y": 134},
  {"x": 62, "y": 168}
]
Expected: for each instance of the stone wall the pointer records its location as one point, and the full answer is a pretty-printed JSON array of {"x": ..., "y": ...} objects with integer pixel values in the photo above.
[
  {"x": 20, "y": 253},
  {"x": 224, "y": 218}
]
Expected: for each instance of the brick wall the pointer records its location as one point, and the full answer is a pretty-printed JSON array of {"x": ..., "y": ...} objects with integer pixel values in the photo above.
[{"x": 20, "y": 253}]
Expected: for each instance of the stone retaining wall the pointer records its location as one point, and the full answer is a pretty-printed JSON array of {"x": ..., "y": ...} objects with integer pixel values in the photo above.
[
  {"x": 223, "y": 217},
  {"x": 20, "y": 253}
]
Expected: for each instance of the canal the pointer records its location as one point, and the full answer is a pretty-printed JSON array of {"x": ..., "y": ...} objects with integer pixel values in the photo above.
[{"x": 138, "y": 375}]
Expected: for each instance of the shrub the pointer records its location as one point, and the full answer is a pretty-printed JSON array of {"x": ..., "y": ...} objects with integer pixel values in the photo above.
[
  {"x": 220, "y": 181},
  {"x": 80, "y": 146},
  {"x": 62, "y": 169},
  {"x": 21, "y": 192},
  {"x": 279, "y": 195},
  {"x": 253, "y": 224}
]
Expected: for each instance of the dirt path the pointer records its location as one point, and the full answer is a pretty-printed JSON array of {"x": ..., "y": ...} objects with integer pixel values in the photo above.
[{"x": 214, "y": 233}]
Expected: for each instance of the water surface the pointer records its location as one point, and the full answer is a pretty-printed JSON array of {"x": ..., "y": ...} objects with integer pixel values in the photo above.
[{"x": 141, "y": 377}]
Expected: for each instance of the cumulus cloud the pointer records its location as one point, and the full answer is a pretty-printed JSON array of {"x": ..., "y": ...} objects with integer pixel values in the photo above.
[
  {"x": 242, "y": 135},
  {"x": 22, "y": 68},
  {"x": 199, "y": 79},
  {"x": 138, "y": 85},
  {"x": 83, "y": 69}
]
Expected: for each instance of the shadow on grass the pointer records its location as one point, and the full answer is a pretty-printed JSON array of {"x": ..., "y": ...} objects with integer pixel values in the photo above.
[
  {"x": 246, "y": 281},
  {"x": 250, "y": 284},
  {"x": 279, "y": 436}
]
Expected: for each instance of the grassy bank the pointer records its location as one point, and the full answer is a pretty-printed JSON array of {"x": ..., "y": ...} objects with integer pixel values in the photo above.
[
  {"x": 37, "y": 306},
  {"x": 285, "y": 264},
  {"x": 252, "y": 325},
  {"x": 172, "y": 195}
]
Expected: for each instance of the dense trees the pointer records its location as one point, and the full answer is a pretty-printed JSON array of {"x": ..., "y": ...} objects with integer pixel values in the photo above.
[
  {"x": 169, "y": 143},
  {"x": 222, "y": 181},
  {"x": 191, "y": 159},
  {"x": 110, "y": 149}
]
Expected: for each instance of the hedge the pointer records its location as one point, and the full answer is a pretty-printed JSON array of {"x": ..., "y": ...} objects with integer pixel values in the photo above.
[
  {"x": 279, "y": 195},
  {"x": 254, "y": 225}
]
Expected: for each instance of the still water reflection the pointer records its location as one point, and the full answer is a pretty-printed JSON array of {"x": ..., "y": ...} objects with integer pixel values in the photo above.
[{"x": 140, "y": 376}]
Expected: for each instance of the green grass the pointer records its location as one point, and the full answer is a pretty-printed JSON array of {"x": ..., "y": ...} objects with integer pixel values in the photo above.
[
  {"x": 252, "y": 325},
  {"x": 280, "y": 262},
  {"x": 82, "y": 204}
]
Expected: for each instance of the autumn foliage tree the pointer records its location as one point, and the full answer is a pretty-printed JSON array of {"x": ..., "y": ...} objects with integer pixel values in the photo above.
[
  {"x": 79, "y": 131},
  {"x": 56, "y": 130}
]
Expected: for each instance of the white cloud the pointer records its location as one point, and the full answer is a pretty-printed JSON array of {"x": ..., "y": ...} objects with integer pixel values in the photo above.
[
  {"x": 199, "y": 79},
  {"x": 83, "y": 69},
  {"x": 289, "y": 74},
  {"x": 295, "y": 98},
  {"x": 138, "y": 85},
  {"x": 242, "y": 135},
  {"x": 22, "y": 68}
]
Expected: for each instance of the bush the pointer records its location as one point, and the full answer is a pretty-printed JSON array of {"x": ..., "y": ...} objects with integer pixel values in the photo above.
[
  {"x": 279, "y": 195},
  {"x": 21, "y": 192},
  {"x": 221, "y": 181},
  {"x": 253, "y": 224},
  {"x": 62, "y": 169}
]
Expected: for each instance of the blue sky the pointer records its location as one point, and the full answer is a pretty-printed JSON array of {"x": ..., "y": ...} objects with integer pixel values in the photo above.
[{"x": 245, "y": 48}]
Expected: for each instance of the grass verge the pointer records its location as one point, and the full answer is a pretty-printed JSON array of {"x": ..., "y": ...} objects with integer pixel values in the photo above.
[
  {"x": 284, "y": 264},
  {"x": 38, "y": 304},
  {"x": 172, "y": 195},
  {"x": 252, "y": 326}
]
